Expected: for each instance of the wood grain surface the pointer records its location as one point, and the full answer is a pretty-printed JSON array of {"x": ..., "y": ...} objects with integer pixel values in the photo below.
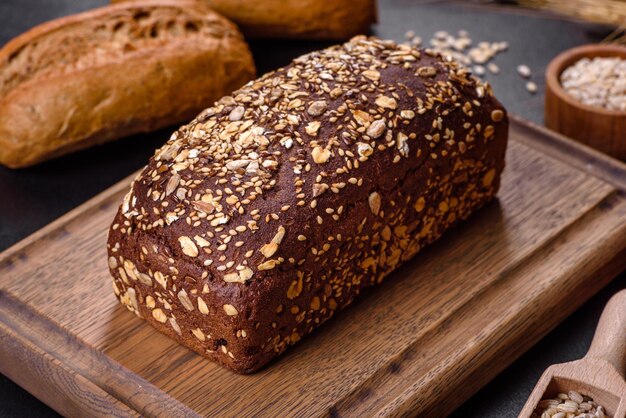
[{"x": 419, "y": 344}]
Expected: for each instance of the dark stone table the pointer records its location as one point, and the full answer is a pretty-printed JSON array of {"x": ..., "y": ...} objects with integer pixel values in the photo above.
[{"x": 31, "y": 198}]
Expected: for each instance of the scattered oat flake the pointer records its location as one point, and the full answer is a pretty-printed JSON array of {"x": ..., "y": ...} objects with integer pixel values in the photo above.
[
  {"x": 386, "y": 102},
  {"x": 427, "y": 71},
  {"x": 377, "y": 128},
  {"x": 493, "y": 68},
  {"x": 407, "y": 114},
  {"x": 188, "y": 246},
  {"x": 361, "y": 117},
  {"x": 497, "y": 115},
  {"x": 230, "y": 310},
  {"x": 320, "y": 155},
  {"x": 524, "y": 71},
  {"x": 374, "y": 201},
  {"x": 317, "y": 108},
  {"x": 312, "y": 128},
  {"x": 372, "y": 75},
  {"x": 236, "y": 114}
]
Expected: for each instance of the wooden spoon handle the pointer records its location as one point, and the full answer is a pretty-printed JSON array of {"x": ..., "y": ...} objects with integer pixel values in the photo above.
[{"x": 609, "y": 341}]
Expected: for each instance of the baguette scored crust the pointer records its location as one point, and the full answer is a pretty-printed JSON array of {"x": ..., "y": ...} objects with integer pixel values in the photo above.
[
  {"x": 274, "y": 208},
  {"x": 112, "y": 72},
  {"x": 302, "y": 19}
]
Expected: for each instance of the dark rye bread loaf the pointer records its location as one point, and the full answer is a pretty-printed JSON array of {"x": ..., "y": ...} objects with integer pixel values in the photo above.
[{"x": 274, "y": 208}]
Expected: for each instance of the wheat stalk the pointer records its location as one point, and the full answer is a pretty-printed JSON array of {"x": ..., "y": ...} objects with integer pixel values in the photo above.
[
  {"x": 618, "y": 36},
  {"x": 601, "y": 11}
]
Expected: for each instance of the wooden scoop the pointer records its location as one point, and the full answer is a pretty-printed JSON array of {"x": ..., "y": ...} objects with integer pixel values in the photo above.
[{"x": 600, "y": 374}]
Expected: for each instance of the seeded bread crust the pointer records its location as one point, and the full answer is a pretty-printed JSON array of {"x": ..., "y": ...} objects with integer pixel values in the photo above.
[
  {"x": 301, "y": 19},
  {"x": 112, "y": 72},
  {"x": 274, "y": 208}
]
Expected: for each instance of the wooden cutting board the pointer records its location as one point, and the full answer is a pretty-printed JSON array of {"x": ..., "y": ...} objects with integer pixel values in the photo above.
[{"x": 419, "y": 344}]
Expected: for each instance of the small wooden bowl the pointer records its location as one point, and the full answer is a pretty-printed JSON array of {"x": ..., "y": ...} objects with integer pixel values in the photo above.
[{"x": 597, "y": 127}]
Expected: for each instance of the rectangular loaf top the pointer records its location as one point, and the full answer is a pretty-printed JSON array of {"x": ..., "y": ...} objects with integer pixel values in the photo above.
[{"x": 273, "y": 208}]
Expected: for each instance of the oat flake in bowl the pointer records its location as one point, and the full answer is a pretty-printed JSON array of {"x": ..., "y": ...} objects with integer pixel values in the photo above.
[{"x": 599, "y": 82}]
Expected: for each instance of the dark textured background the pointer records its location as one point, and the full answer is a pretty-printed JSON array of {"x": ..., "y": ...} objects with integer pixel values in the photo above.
[{"x": 31, "y": 198}]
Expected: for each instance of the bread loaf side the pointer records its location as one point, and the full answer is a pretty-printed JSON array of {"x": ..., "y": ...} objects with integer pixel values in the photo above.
[
  {"x": 274, "y": 208},
  {"x": 111, "y": 72},
  {"x": 303, "y": 19}
]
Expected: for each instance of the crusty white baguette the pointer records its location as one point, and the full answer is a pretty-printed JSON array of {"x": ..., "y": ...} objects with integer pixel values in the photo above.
[
  {"x": 111, "y": 72},
  {"x": 304, "y": 19}
]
